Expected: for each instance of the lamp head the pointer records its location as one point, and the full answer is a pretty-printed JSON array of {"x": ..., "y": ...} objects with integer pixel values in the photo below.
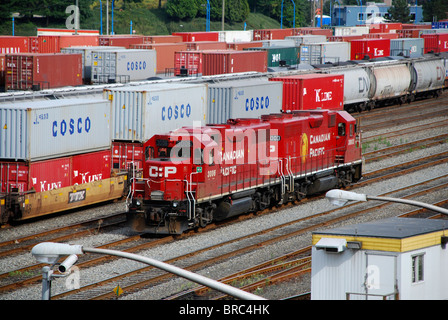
[
  {"x": 50, "y": 253},
  {"x": 341, "y": 197}
]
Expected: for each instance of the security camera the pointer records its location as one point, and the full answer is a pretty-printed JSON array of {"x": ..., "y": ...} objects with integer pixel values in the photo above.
[{"x": 68, "y": 263}]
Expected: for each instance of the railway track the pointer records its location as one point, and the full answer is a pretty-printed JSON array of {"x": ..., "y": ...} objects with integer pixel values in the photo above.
[{"x": 25, "y": 243}]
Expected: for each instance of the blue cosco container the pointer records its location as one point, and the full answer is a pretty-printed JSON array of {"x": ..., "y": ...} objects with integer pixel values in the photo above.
[
  {"x": 243, "y": 99},
  {"x": 38, "y": 130},
  {"x": 410, "y": 47}
]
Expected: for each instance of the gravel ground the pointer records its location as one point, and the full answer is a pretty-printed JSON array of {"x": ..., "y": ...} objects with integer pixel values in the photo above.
[{"x": 292, "y": 287}]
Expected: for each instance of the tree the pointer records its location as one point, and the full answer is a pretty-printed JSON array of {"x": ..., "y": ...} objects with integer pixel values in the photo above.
[
  {"x": 182, "y": 9},
  {"x": 435, "y": 9},
  {"x": 399, "y": 11}
]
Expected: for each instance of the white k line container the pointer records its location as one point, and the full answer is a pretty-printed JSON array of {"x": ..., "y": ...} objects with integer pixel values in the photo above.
[
  {"x": 139, "y": 112},
  {"x": 123, "y": 65},
  {"x": 243, "y": 99},
  {"x": 38, "y": 130}
]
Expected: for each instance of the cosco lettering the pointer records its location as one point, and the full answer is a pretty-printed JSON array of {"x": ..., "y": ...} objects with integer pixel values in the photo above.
[
  {"x": 136, "y": 65},
  {"x": 176, "y": 112},
  {"x": 71, "y": 126},
  {"x": 257, "y": 103}
]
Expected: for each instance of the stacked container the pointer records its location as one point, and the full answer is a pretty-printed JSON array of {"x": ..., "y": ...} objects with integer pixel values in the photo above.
[
  {"x": 231, "y": 36},
  {"x": 308, "y": 38},
  {"x": 409, "y": 47},
  {"x": 319, "y": 53},
  {"x": 123, "y": 65},
  {"x": 272, "y": 34},
  {"x": 54, "y": 44},
  {"x": 13, "y": 44},
  {"x": 34, "y": 71},
  {"x": 371, "y": 48},
  {"x": 243, "y": 99},
  {"x": 221, "y": 62},
  {"x": 164, "y": 53},
  {"x": 162, "y": 39},
  {"x": 277, "y": 55},
  {"x": 197, "y": 36},
  {"x": 435, "y": 42},
  {"x": 312, "y": 91},
  {"x": 120, "y": 40}
]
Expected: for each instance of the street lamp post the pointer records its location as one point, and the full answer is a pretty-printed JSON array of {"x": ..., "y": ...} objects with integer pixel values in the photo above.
[
  {"x": 341, "y": 197},
  {"x": 50, "y": 253}
]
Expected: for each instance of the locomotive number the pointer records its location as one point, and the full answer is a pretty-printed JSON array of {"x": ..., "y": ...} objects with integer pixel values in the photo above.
[
  {"x": 228, "y": 171},
  {"x": 211, "y": 174}
]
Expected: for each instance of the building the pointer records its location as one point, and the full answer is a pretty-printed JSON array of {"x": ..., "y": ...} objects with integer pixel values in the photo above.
[
  {"x": 370, "y": 13},
  {"x": 396, "y": 258}
]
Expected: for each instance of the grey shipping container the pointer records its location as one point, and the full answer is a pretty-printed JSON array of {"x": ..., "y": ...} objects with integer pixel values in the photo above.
[
  {"x": 123, "y": 65},
  {"x": 410, "y": 47},
  {"x": 243, "y": 99},
  {"x": 139, "y": 112},
  {"x": 307, "y": 38},
  {"x": 318, "y": 53},
  {"x": 48, "y": 129},
  {"x": 86, "y": 53}
]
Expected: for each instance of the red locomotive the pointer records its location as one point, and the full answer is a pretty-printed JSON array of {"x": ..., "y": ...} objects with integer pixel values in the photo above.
[{"x": 196, "y": 175}]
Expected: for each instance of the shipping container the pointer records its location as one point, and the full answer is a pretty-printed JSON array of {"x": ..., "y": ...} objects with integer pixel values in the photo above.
[
  {"x": 271, "y": 34},
  {"x": 164, "y": 53},
  {"x": 385, "y": 27},
  {"x": 351, "y": 31},
  {"x": 243, "y": 99},
  {"x": 54, "y": 44},
  {"x": 231, "y": 36},
  {"x": 139, "y": 112},
  {"x": 320, "y": 53},
  {"x": 123, "y": 65},
  {"x": 312, "y": 91},
  {"x": 371, "y": 48},
  {"x": 229, "y": 61},
  {"x": 13, "y": 44},
  {"x": 344, "y": 38},
  {"x": 410, "y": 33},
  {"x": 86, "y": 54},
  {"x": 197, "y": 36},
  {"x": 162, "y": 39},
  {"x": 206, "y": 45},
  {"x": 120, "y": 40},
  {"x": 278, "y": 56},
  {"x": 2, "y": 72},
  {"x": 307, "y": 38},
  {"x": 33, "y": 44},
  {"x": 189, "y": 61},
  {"x": 435, "y": 42},
  {"x": 126, "y": 153},
  {"x": 46, "y": 175},
  {"x": 415, "y": 26},
  {"x": 278, "y": 43},
  {"x": 312, "y": 30},
  {"x": 243, "y": 45},
  {"x": 381, "y": 36},
  {"x": 409, "y": 47},
  {"x": 37, "y": 130},
  {"x": 35, "y": 71}
]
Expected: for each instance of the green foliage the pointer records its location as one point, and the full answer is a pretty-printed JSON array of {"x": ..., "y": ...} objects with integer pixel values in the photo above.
[
  {"x": 437, "y": 9},
  {"x": 399, "y": 11},
  {"x": 182, "y": 9}
]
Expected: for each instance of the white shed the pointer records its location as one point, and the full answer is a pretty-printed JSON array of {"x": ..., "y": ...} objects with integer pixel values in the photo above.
[{"x": 396, "y": 258}]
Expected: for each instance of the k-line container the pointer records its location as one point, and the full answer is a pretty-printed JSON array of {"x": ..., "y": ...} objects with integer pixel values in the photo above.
[
  {"x": 13, "y": 44},
  {"x": 123, "y": 65},
  {"x": 164, "y": 53},
  {"x": 436, "y": 42},
  {"x": 243, "y": 99},
  {"x": 197, "y": 36},
  {"x": 410, "y": 47},
  {"x": 37, "y": 130},
  {"x": 54, "y": 44},
  {"x": 33, "y": 71},
  {"x": 312, "y": 91},
  {"x": 55, "y": 173},
  {"x": 229, "y": 61},
  {"x": 372, "y": 48},
  {"x": 139, "y": 112},
  {"x": 86, "y": 54},
  {"x": 277, "y": 54},
  {"x": 319, "y": 53},
  {"x": 307, "y": 38}
]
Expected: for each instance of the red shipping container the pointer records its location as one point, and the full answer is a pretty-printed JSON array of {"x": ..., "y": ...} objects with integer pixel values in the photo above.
[
  {"x": 43, "y": 70},
  {"x": 244, "y": 45},
  {"x": 381, "y": 36},
  {"x": 313, "y": 30},
  {"x": 191, "y": 60},
  {"x": 162, "y": 39},
  {"x": 385, "y": 27},
  {"x": 197, "y": 36},
  {"x": 2, "y": 72},
  {"x": 435, "y": 42},
  {"x": 33, "y": 44},
  {"x": 54, "y": 44},
  {"x": 407, "y": 26},
  {"x": 272, "y": 34},
  {"x": 206, "y": 45},
  {"x": 55, "y": 173},
  {"x": 373, "y": 48},
  {"x": 13, "y": 44},
  {"x": 120, "y": 40},
  {"x": 164, "y": 53},
  {"x": 312, "y": 91},
  {"x": 125, "y": 153},
  {"x": 221, "y": 62}
]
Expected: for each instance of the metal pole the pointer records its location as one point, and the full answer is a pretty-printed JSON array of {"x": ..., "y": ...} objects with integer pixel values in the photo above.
[
  {"x": 107, "y": 17},
  {"x": 112, "y": 29},
  {"x": 411, "y": 202},
  {"x": 13, "y": 26},
  {"x": 180, "y": 272},
  {"x": 223, "y": 12},
  {"x": 101, "y": 17},
  {"x": 46, "y": 282}
]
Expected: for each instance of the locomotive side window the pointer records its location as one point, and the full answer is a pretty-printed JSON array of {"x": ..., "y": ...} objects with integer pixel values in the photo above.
[
  {"x": 341, "y": 129},
  {"x": 351, "y": 130},
  {"x": 197, "y": 156}
]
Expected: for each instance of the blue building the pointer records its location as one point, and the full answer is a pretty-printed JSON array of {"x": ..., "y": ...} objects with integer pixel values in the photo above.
[{"x": 370, "y": 13}]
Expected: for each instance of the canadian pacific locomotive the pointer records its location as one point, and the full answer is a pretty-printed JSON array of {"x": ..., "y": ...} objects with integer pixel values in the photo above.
[{"x": 196, "y": 175}]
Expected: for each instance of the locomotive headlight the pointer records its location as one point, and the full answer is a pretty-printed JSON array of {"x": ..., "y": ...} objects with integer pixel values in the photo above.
[
  {"x": 175, "y": 204},
  {"x": 137, "y": 203}
]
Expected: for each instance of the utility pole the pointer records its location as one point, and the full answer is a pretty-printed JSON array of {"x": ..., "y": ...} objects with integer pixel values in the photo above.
[{"x": 223, "y": 10}]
